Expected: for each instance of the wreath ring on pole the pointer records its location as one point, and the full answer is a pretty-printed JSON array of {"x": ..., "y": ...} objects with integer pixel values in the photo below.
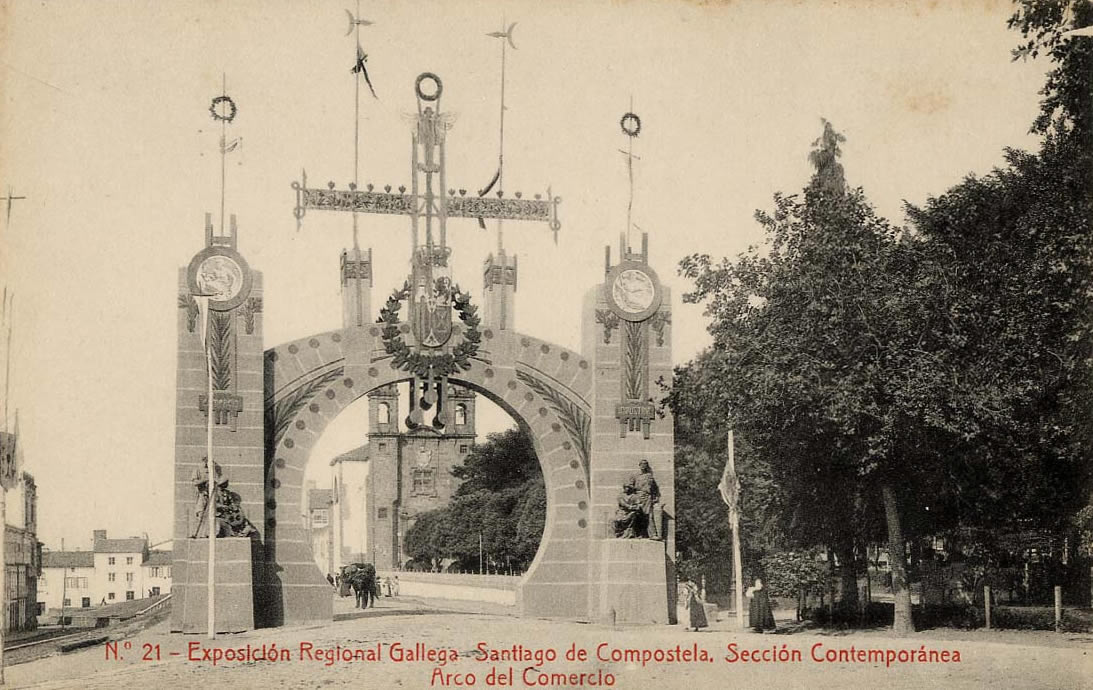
[
  {"x": 232, "y": 110},
  {"x": 630, "y": 124},
  {"x": 436, "y": 82}
]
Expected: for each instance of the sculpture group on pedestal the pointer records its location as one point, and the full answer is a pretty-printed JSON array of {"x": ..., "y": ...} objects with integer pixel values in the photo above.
[
  {"x": 635, "y": 518},
  {"x": 230, "y": 519}
]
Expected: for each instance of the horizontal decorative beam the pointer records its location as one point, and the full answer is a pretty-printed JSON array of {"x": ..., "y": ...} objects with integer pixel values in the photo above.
[{"x": 544, "y": 210}]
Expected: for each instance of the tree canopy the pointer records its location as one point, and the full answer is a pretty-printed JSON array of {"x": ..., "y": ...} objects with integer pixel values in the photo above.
[{"x": 500, "y": 504}]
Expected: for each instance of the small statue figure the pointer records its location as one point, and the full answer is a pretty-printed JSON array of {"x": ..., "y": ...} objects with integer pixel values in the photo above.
[
  {"x": 634, "y": 518},
  {"x": 628, "y": 515},
  {"x": 230, "y": 520}
]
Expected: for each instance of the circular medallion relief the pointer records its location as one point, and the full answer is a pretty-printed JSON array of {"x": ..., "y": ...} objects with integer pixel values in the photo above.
[
  {"x": 219, "y": 277},
  {"x": 633, "y": 291},
  {"x": 222, "y": 274}
]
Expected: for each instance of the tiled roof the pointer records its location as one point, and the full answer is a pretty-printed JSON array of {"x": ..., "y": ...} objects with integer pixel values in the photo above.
[
  {"x": 159, "y": 558},
  {"x": 130, "y": 545},
  {"x": 68, "y": 559},
  {"x": 355, "y": 455},
  {"x": 319, "y": 498}
]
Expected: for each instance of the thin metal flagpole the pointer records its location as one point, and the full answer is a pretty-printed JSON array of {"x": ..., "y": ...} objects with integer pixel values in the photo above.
[
  {"x": 210, "y": 484},
  {"x": 734, "y": 518},
  {"x": 212, "y": 503}
]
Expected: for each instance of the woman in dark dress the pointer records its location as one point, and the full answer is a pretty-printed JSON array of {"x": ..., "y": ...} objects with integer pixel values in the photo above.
[
  {"x": 760, "y": 615},
  {"x": 696, "y": 611}
]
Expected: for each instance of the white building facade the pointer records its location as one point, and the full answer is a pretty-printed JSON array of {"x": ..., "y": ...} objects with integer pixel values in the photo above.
[{"x": 113, "y": 571}]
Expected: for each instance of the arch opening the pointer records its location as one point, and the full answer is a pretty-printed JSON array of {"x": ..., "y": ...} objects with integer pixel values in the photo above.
[{"x": 553, "y": 413}]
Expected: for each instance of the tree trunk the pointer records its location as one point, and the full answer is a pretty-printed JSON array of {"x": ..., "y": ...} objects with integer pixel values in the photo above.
[
  {"x": 848, "y": 579},
  {"x": 831, "y": 600},
  {"x": 901, "y": 592}
]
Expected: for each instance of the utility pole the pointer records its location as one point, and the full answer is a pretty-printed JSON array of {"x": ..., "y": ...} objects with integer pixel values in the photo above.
[
  {"x": 64, "y": 589},
  {"x": 730, "y": 493}
]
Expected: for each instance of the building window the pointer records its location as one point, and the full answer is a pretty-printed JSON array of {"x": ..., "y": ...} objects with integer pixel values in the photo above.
[
  {"x": 74, "y": 582},
  {"x": 85, "y": 602},
  {"x": 129, "y": 596},
  {"x": 320, "y": 518},
  {"x": 383, "y": 447},
  {"x": 110, "y": 576},
  {"x": 424, "y": 482},
  {"x": 381, "y": 513},
  {"x": 41, "y": 608},
  {"x": 463, "y": 448},
  {"x": 460, "y": 414},
  {"x": 110, "y": 560},
  {"x": 129, "y": 578},
  {"x": 383, "y": 413},
  {"x": 128, "y": 560},
  {"x": 155, "y": 591},
  {"x": 110, "y": 596},
  {"x": 67, "y": 602}
]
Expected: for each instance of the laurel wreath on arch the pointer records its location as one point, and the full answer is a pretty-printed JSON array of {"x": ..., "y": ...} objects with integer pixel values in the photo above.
[{"x": 423, "y": 364}]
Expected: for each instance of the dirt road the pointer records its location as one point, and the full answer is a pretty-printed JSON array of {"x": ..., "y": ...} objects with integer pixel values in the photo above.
[{"x": 415, "y": 644}]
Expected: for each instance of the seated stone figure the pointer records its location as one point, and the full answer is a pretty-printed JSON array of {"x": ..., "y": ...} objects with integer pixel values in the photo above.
[
  {"x": 635, "y": 518},
  {"x": 230, "y": 520},
  {"x": 629, "y": 518}
]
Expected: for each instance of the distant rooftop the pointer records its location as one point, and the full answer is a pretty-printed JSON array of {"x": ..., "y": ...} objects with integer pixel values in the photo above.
[
  {"x": 159, "y": 558},
  {"x": 68, "y": 559},
  {"x": 355, "y": 455},
  {"x": 128, "y": 545}
]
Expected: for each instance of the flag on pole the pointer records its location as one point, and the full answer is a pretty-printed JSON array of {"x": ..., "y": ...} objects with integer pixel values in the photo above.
[
  {"x": 729, "y": 485},
  {"x": 203, "y": 319}
]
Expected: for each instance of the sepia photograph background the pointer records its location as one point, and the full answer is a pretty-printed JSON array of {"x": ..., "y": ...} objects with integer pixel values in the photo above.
[{"x": 105, "y": 129}]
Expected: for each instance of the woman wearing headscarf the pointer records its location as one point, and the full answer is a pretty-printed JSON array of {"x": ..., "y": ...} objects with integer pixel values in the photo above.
[
  {"x": 760, "y": 615},
  {"x": 696, "y": 609}
]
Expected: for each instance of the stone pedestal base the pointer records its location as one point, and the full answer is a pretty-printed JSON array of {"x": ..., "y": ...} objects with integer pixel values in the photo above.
[
  {"x": 233, "y": 578},
  {"x": 633, "y": 585}
]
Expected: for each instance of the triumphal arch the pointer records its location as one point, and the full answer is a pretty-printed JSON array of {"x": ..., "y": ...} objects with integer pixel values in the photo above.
[{"x": 592, "y": 414}]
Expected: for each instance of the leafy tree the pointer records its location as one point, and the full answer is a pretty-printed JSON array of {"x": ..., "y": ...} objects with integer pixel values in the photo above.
[
  {"x": 826, "y": 364},
  {"x": 505, "y": 459},
  {"x": 1066, "y": 106},
  {"x": 942, "y": 376},
  {"x": 500, "y": 504},
  {"x": 1023, "y": 326},
  {"x": 796, "y": 574},
  {"x": 1018, "y": 249}
]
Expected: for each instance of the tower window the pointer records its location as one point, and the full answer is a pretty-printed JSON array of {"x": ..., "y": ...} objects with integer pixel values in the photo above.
[
  {"x": 383, "y": 413},
  {"x": 381, "y": 513},
  {"x": 460, "y": 414},
  {"x": 424, "y": 482},
  {"x": 463, "y": 449},
  {"x": 383, "y": 447}
]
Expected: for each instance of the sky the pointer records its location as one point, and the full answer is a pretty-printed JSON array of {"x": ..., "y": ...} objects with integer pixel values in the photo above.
[{"x": 105, "y": 128}]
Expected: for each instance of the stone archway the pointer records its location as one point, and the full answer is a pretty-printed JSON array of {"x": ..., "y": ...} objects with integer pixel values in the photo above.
[
  {"x": 592, "y": 417},
  {"x": 546, "y": 388}
]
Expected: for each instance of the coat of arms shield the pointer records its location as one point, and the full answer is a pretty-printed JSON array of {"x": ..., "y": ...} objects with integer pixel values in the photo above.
[{"x": 432, "y": 317}]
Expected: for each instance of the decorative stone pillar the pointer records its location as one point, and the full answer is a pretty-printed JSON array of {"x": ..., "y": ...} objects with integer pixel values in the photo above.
[
  {"x": 499, "y": 291},
  {"x": 356, "y": 280},
  {"x": 626, "y": 336},
  {"x": 236, "y": 351}
]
